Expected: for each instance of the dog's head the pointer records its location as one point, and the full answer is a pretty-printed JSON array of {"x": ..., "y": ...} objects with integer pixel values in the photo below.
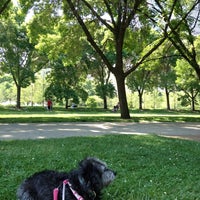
[{"x": 96, "y": 174}]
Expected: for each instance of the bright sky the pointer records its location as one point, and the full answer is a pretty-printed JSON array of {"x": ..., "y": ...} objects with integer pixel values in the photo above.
[
  {"x": 30, "y": 12},
  {"x": 15, "y": 2}
]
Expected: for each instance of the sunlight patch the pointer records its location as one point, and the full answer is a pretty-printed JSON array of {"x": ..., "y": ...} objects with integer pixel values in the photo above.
[{"x": 6, "y": 136}]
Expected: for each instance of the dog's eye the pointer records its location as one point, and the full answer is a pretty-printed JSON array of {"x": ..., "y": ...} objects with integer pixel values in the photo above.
[{"x": 105, "y": 169}]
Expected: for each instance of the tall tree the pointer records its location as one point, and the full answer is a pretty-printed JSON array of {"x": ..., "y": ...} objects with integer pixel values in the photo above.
[
  {"x": 164, "y": 74},
  {"x": 17, "y": 53},
  {"x": 187, "y": 82},
  {"x": 117, "y": 17},
  {"x": 139, "y": 81},
  {"x": 65, "y": 83}
]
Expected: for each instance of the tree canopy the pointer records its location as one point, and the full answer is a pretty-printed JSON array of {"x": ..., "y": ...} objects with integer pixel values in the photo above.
[
  {"x": 4, "y": 4},
  {"x": 123, "y": 33},
  {"x": 17, "y": 55}
]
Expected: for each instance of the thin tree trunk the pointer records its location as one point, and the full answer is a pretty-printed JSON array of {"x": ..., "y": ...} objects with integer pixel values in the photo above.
[
  {"x": 105, "y": 102},
  {"x": 18, "y": 105},
  {"x": 193, "y": 103},
  {"x": 167, "y": 98},
  {"x": 66, "y": 103},
  {"x": 140, "y": 99}
]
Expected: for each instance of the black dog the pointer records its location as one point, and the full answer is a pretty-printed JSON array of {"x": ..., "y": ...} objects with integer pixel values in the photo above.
[{"x": 84, "y": 183}]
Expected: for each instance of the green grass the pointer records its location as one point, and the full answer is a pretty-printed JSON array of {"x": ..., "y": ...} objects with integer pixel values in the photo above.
[
  {"x": 148, "y": 167},
  {"x": 39, "y": 114}
]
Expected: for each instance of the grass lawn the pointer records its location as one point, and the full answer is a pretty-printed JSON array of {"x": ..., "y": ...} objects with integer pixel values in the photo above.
[
  {"x": 40, "y": 114},
  {"x": 148, "y": 167}
]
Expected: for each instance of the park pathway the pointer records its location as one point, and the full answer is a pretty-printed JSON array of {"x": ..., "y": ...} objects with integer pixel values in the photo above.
[{"x": 17, "y": 131}]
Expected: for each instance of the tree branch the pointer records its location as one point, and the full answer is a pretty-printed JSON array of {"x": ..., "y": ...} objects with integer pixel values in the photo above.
[
  {"x": 132, "y": 13},
  {"x": 110, "y": 13},
  {"x": 145, "y": 56},
  {"x": 4, "y": 6},
  {"x": 98, "y": 16},
  {"x": 89, "y": 36}
]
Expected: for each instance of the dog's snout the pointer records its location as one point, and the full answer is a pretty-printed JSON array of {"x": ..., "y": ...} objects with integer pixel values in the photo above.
[{"x": 114, "y": 172}]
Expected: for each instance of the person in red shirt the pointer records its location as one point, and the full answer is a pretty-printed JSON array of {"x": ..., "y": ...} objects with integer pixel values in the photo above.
[{"x": 49, "y": 105}]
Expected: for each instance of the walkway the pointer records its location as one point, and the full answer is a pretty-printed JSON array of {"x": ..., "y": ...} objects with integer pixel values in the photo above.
[{"x": 189, "y": 130}]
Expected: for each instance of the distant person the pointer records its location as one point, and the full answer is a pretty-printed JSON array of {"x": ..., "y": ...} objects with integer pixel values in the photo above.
[
  {"x": 49, "y": 105},
  {"x": 116, "y": 108},
  {"x": 73, "y": 105}
]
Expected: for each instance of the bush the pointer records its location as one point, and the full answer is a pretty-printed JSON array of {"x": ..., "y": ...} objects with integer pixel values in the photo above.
[{"x": 92, "y": 102}]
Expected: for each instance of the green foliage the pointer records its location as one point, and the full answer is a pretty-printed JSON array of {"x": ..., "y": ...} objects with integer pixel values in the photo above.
[
  {"x": 163, "y": 71},
  {"x": 188, "y": 82},
  {"x": 17, "y": 54},
  {"x": 6, "y": 88},
  {"x": 123, "y": 33},
  {"x": 54, "y": 34},
  {"x": 181, "y": 20},
  {"x": 91, "y": 102},
  {"x": 139, "y": 81},
  {"x": 100, "y": 75},
  {"x": 107, "y": 90},
  {"x": 65, "y": 82},
  {"x": 148, "y": 167}
]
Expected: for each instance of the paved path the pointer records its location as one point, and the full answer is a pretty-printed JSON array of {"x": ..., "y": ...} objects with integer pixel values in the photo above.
[{"x": 61, "y": 130}]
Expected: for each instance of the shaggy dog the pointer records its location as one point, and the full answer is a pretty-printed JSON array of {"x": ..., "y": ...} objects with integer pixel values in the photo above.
[{"x": 84, "y": 183}]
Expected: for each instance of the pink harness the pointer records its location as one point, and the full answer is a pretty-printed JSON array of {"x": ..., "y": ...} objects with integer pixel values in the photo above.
[{"x": 66, "y": 182}]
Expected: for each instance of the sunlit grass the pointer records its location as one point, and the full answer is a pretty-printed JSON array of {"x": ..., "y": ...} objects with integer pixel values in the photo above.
[
  {"x": 148, "y": 167},
  {"x": 40, "y": 114}
]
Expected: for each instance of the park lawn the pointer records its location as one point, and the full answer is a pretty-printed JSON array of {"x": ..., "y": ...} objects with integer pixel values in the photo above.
[
  {"x": 148, "y": 167},
  {"x": 31, "y": 115}
]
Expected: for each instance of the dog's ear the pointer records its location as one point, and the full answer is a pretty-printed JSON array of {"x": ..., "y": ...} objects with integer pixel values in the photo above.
[{"x": 86, "y": 164}]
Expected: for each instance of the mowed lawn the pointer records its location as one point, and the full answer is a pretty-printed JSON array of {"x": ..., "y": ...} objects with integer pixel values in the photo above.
[
  {"x": 148, "y": 167},
  {"x": 39, "y": 114}
]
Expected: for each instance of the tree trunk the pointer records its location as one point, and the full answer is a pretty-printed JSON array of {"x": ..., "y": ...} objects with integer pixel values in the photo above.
[
  {"x": 196, "y": 67},
  {"x": 105, "y": 102},
  {"x": 122, "y": 97},
  {"x": 66, "y": 103},
  {"x": 167, "y": 98},
  {"x": 193, "y": 103},
  {"x": 140, "y": 99},
  {"x": 18, "y": 105}
]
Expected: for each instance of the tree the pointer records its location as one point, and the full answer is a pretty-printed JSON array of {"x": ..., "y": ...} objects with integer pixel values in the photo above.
[
  {"x": 65, "y": 83},
  {"x": 121, "y": 16},
  {"x": 166, "y": 80},
  {"x": 97, "y": 69},
  {"x": 164, "y": 74},
  {"x": 118, "y": 20},
  {"x": 188, "y": 82},
  {"x": 104, "y": 91},
  {"x": 182, "y": 26},
  {"x": 17, "y": 53},
  {"x": 138, "y": 81}
]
